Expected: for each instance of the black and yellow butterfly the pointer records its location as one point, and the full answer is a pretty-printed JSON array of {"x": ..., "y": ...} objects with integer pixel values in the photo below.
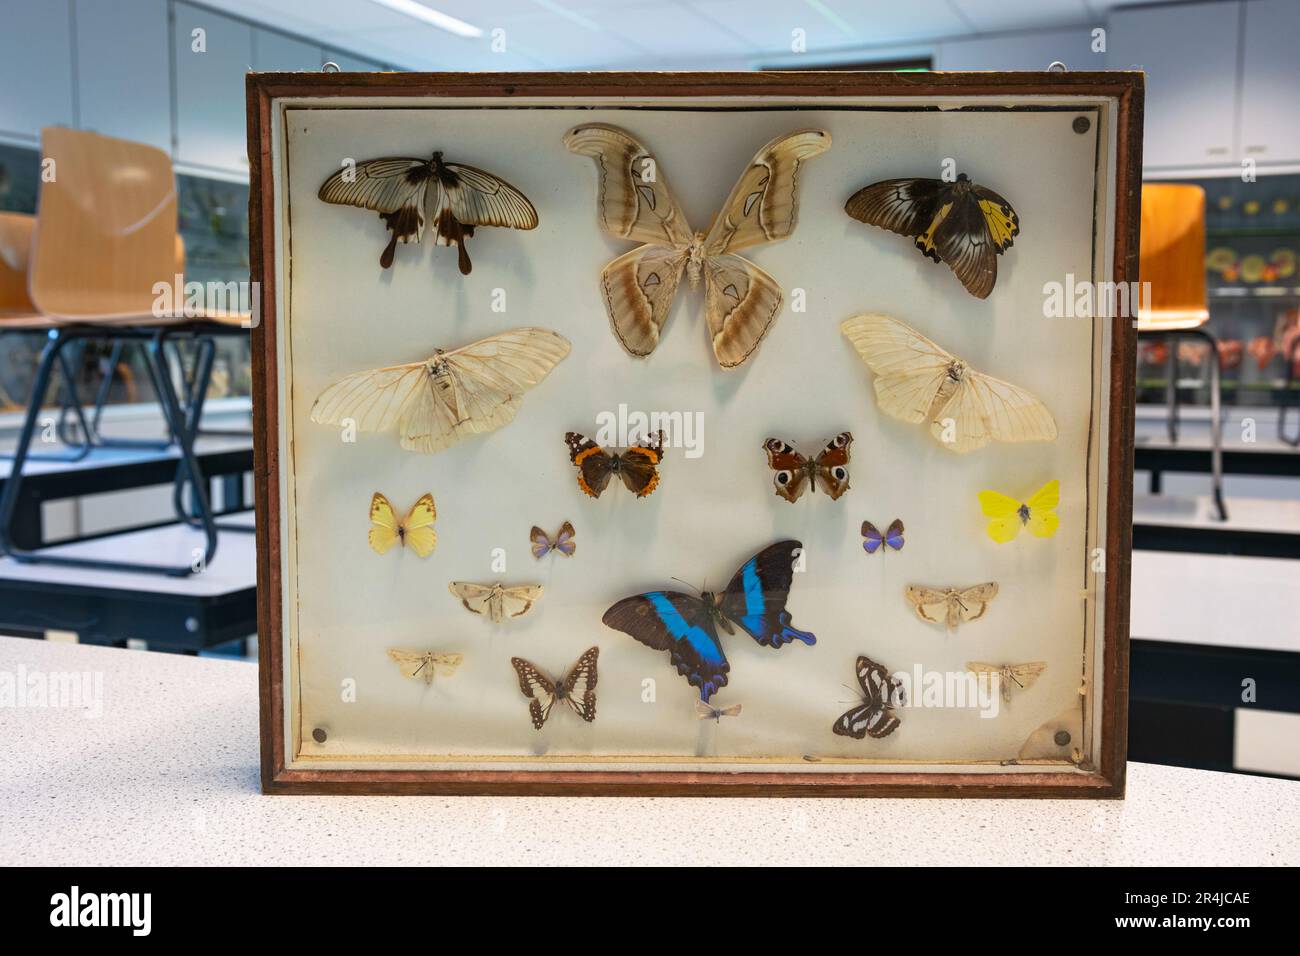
[{"x": 961, "y": 223}]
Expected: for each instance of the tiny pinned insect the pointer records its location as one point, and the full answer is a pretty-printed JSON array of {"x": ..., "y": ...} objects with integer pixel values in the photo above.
[{"x": 711, "y": 712}]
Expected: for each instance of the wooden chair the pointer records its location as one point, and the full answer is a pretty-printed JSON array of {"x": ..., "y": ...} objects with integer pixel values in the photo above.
[
  {"x": 104, "y": 239},
  {"x": 1173, "y": 263}
]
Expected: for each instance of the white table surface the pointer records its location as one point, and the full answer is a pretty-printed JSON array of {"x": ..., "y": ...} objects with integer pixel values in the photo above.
[
  {"x": 1216, "y": 599},
  {"x": 168, "y": 774}
]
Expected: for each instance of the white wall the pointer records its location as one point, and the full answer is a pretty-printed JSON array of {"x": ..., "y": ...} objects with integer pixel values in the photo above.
[
  {"x": 1222, "y": 75},
  {"x": 131, "y": 68}
]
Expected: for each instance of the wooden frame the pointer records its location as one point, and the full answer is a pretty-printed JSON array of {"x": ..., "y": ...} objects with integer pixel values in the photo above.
[{"x": 1105, "y": 779}]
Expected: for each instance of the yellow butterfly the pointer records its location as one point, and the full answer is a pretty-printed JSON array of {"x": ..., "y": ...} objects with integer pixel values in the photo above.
[
  {"x": 415, "y": 531},
  {"x": 1008, "y": 516}
]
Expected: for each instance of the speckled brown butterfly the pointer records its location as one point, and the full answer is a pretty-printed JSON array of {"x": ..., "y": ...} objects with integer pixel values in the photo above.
[
  {"x": 881, "y": 693},
  {"x": 961, "y": 223},
  {"x": 577, "y": 688},
  {"x": 404, "y": 191},
  {"x": 638, "y": 466},
  {"x": 792, "y": 472}
]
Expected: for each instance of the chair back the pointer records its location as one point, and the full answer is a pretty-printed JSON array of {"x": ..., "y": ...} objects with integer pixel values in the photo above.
[
  {"x": 16, "y": 231},
  {"x": 105, "y": 227},
  {"x": 1173, "y": 258}
]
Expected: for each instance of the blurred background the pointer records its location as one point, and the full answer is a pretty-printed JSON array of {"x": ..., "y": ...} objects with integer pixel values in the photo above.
[{"x": 145, "y": 99}]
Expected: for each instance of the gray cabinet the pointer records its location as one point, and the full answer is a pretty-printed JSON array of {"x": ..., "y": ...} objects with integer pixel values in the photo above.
[
  {"x": 123, "y": 74},
  {"x": 210, "y": 69},
  {"x": 35, "y": 67},
  {"x": 1270, "y": 79},
  {"x": 1189, "y": 53},
  {"x": 1021, "y": 51}
]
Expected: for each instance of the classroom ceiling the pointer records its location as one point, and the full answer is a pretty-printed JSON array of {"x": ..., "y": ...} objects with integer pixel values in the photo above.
[{"x": 652, "y": 34}]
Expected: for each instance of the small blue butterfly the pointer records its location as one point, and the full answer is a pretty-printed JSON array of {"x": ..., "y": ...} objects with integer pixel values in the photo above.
[
  {"x": 563, "y": 543},
  {"x": 874, "y": 540}
]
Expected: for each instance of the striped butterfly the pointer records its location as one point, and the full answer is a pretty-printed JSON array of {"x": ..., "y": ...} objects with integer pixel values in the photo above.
[
  {"x": 577, "y": 688},
  {"x": 881, "y": 693}
]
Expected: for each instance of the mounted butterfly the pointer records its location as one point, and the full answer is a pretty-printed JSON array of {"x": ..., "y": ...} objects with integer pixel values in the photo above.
[
  {"x": 881, "y": 694},
  {"x": 563, "y": 542},
  {"x": 638, "y": 466},
  {"x": 1007, "y": 516},
  {"x": 423, "y": 665},
  {"x": 686, "y": 626},
  {"x": 496, "y": 600},
  {"x": 715, "y": 713},
  {"x": 414, "y": 531},
  {"x": 741, "y": 301},
  {"x": 793, "y": 473},
  {"x": 577, "y": 688},
  {"x": 406, "y": 192},
  {"x": 1021, "y": 676},
  {"x": 873, "y": 540},
  {"x": 919, "y": 383},
  {"x": 950, "y": 606},
  {"x": 961, "y": 223},
  {"x": 449, "y": 396}
]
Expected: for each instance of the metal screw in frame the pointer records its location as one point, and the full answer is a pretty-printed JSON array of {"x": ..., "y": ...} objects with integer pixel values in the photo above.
[
  {"x": 1081, "y": 124},
  {"x": 319, "y": 735},
  {"x": 1061, "y": 737}
]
